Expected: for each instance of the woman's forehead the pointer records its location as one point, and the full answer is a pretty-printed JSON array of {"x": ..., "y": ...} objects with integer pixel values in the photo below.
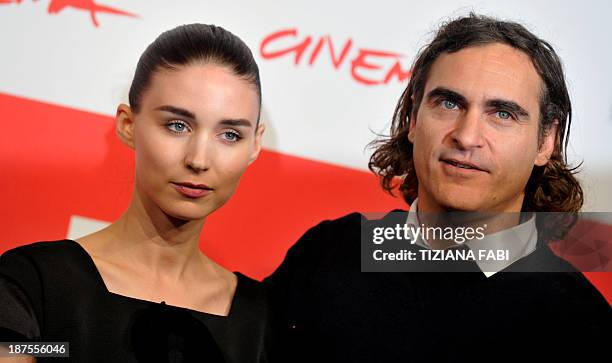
[{"x": 203, "y": 88}]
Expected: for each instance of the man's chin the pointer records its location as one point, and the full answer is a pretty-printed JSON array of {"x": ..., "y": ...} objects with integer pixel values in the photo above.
[{"x": 463, "y": 203}]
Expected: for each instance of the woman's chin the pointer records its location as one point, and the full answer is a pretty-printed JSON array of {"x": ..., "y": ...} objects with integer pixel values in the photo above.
[{"x": 188, "y": 213}]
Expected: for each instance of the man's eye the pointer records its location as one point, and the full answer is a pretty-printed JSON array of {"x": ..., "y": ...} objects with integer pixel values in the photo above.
[
  {"x": 176, "y": 127},
  {"x": 231, "y": 136},
  {"x": 449, "y": 105},
  {"x": 504, "y": 115}
]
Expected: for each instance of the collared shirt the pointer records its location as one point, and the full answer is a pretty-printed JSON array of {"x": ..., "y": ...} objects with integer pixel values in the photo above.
[{"x": 519, "y": 241}]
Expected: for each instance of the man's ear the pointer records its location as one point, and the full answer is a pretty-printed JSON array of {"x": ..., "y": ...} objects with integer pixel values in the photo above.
[
  {"x": 258, "y": 137},
  {"x": 547, "y": 147},
  {"x": 411, "y": 129},
  {"x": 412, "y": 123},
  {"x": 124, "y": 125}
]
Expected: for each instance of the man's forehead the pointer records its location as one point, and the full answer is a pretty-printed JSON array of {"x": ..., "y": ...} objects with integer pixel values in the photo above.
[{"x": 485, "y": 72}]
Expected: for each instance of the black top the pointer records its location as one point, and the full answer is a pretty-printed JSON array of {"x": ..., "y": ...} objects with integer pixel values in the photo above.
[
  {"x": 53, "y": 292},
  {"x": 333, "y": 312}
]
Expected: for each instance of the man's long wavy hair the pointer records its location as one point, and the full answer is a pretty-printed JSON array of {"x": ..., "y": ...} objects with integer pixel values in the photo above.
[{"x": 550, "y": 188}]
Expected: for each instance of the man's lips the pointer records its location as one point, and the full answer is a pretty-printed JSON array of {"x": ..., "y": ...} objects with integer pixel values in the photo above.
[{"x": 463, "y": 164}]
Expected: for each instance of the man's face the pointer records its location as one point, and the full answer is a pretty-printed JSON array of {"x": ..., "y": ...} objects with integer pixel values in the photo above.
[{"x": 476, "y": 132}]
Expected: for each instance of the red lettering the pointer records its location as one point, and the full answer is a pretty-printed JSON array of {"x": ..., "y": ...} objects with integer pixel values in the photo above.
[
  {"x": 316, "y": 51},
  {"x": 338, "y": 61},
  {"x": 361, "y": 62},
  {"x": 369, "y": 67},
  {"x": 56, "y": 6},
  {"x": 298, "y": 49},
  {"x": 397, "y": 71}
]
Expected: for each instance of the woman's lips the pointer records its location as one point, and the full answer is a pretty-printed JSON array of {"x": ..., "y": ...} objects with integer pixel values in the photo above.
[{"x": 192, "y": 190}]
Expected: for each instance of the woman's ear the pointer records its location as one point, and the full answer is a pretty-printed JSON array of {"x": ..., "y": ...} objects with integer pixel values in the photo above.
[
  {"x": 258, "y": 136},
  {"x": 548, "y": 145},
  {"x": 124, "y": 125}
]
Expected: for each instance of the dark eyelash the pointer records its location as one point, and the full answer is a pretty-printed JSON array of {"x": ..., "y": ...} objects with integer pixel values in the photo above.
[
  {"x": 236, "y": 134},
  {"x": 440, "y": 100},
  {"x": 175, "y": 122},
  {"x": 512, "y": 115}
]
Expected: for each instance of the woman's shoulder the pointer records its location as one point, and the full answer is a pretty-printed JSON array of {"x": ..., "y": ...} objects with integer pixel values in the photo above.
[
  {"x": 40, "y": 272},
  {"x": 47, "y": 263},
  {"x": 40, "y": 256},
  {"x": 31, "y": 254},
  {"x": 42, "y": 249}
]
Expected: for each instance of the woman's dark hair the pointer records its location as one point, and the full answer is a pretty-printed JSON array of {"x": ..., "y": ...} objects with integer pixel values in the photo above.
[
  {"x": 550, "y": 188},
  {"x": 193, "y": 44}
]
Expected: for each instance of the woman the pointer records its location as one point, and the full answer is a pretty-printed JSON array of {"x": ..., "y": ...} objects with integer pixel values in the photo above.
[{"x": 140, "y": 289}]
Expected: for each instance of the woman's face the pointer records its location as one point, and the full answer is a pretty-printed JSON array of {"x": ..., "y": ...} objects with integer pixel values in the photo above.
[{"x": 194, "y": 136}]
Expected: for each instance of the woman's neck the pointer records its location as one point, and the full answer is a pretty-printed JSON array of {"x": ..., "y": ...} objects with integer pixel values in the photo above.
[{"x": 148, "y": 238}]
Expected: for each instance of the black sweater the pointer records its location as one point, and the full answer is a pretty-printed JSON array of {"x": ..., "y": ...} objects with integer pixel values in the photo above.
[
  {"x": 53, "y": 292},
  {"x": 333, "y": 312}
]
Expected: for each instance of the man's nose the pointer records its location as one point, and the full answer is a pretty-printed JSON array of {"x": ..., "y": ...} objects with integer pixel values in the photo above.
[{"x": 467, "y": 133}]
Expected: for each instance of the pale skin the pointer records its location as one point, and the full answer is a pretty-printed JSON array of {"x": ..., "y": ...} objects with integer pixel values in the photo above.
[
  {"x": 152, "y": 251},
  {"x": 480, "y": 106},
  {"x": 20, "y": 359},
  {"x": 196, "y": 124}
]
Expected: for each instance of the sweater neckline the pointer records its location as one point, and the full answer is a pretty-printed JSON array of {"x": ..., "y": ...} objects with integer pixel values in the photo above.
[{"x": 93, "y": 269}]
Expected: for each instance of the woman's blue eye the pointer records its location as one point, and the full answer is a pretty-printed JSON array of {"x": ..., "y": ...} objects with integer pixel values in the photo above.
[
  {"x": 177, "y": 127},
  {"x": 504, "y": 115},
  {"x": 231, "y": 136},
  {"x": 449, "y": 105}
]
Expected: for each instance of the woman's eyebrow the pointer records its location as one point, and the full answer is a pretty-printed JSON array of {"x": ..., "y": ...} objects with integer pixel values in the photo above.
[
  {"x": 190, "y": 115},
  {"x": 177, "y": 111},
  {"x": 236, "y": 122}
]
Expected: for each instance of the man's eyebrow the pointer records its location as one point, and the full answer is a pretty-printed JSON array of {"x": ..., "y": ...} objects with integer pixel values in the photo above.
[
  {"x": 442, "y": 92},
  {"x": 177, "y": 111},
  {"x": 509, "y": 106},
  {"x": 497, "y": 103},
  {"x": 237, "y": 122}
]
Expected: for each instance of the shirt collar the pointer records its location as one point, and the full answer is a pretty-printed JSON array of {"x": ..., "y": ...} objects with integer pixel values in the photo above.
[{"x": 519, "y": 240}]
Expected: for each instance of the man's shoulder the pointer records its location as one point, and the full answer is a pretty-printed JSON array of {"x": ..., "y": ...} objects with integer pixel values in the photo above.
[
  {"x": 555, "y": 279},
  {"x": 357, "y": 218},
  {"x": 348, "y": 227},
  {"x": 328, "y": 233},
  {"x": 339, "y": 226},
  {"x": 332, "y": 236},
  {"x": 576, "y": 289}
]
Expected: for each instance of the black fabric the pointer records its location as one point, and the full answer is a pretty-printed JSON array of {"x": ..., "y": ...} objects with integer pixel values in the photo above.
[
  {"x": 52, "y": 292},
  {"x": 16, "y": 312},
  {"x": 333, "y": 312}
]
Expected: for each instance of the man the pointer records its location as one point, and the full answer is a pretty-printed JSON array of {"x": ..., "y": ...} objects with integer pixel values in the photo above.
[{"x": 481, "y": 127}]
